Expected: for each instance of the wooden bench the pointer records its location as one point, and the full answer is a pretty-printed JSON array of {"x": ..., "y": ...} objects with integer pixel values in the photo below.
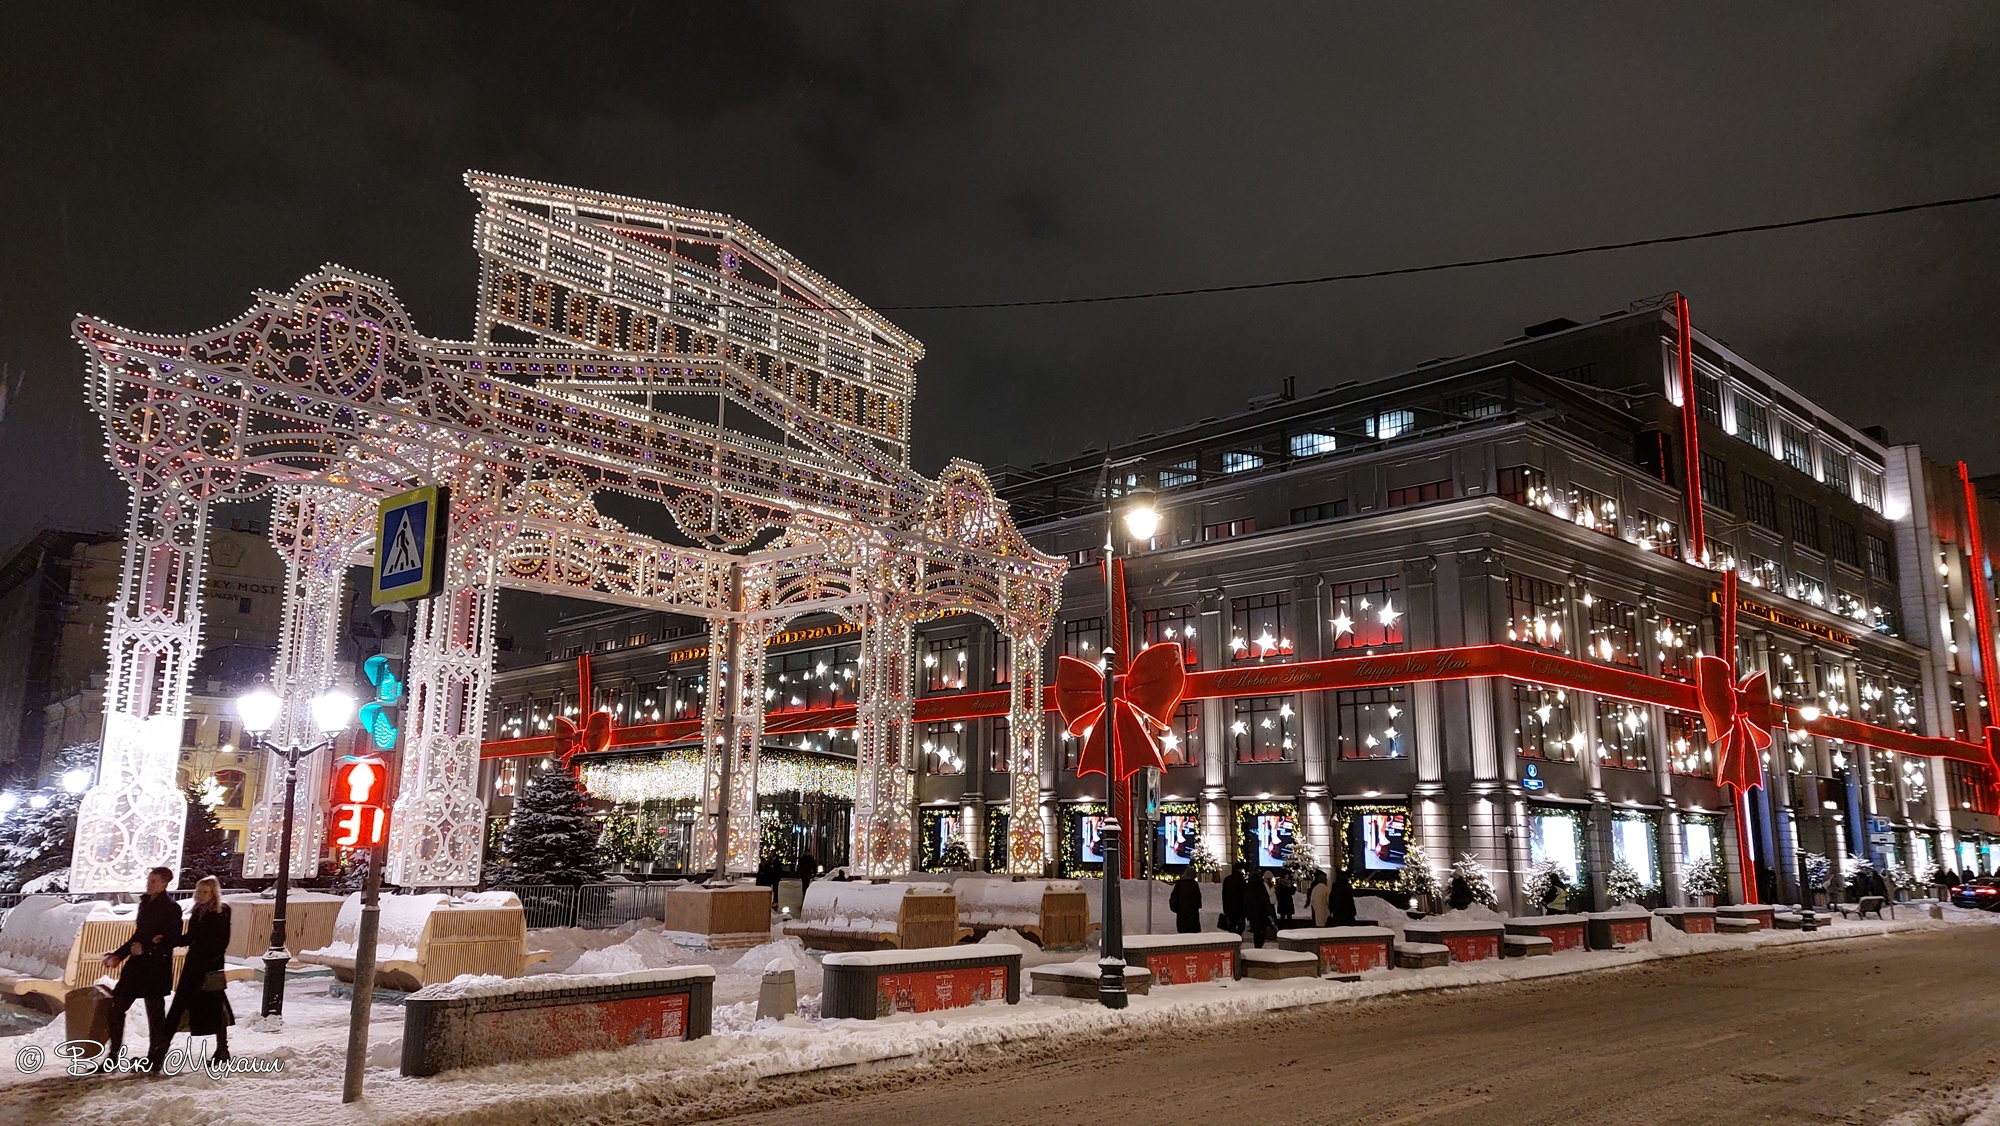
[
  {"x": 1468, "y": 942},
  {"x": 1079, "y": 980},
  {"x": 1730, "y": 924},
  {"x": 1053, "y": 914},
  {"x": 1761, "y": 912},
  {"x": 1187, "y": 959},
  {"x": 1345, "y": 950},
  {"x": 1278, "y": 963},
  {"x": 866, "y": 984},
  {"x": 853, "y": 916},
  {"x": 50, "y": 949},
  {"x": 1689, "y": 920},
  {"x": 1867, "y": 905},
  {"x": 1422, "y": 955},
  {"x": 1610, "y": 930},
  {"x": 720, "y": 916},
  {"x": 309, "y": 919},
  {"x": 1526, "y": 945},
  {"x": 427, "y": 940},
  {"x": 1564, "y": 932}
]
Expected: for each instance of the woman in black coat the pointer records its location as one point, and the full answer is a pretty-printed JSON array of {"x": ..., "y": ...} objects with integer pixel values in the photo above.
[
  {"x": 207, "y": 940},
  {"x": 1185, "y": 903}
]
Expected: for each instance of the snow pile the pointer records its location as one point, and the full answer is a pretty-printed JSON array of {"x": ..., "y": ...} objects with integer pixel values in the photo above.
[
  {"x": 36, "y": 938},
  {"x": 490, "y": 899},
  {"x": 1371, "y": 910},
  {"x": 996, "y": 901},
  {"x": 641, "y": 945},
  {"x": 864, "y": 908},
  {"x": 467, "y": 986},
  {"x": 644, "y": 949},
  {"x": 1144, "y": 904},
  {"x": 401, "y": 927}
]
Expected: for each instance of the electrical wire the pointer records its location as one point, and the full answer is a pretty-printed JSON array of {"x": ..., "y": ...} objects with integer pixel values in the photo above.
[{"x": 1461, "y": 264}]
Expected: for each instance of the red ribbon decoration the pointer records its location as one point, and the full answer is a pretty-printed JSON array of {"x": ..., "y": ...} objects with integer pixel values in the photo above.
[
  {"x": 1145, "y": 698},
  {"x": 1734, "y": 714},
  {"x": 594, "y": 736}
]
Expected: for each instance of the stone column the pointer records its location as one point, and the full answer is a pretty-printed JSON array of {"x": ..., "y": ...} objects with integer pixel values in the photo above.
[
  {"x": 315, "y": 531},
  {"x": 437, "y": 829},
  {"x": 134, "y": 816},
  {"x": 883, "y": 785}
]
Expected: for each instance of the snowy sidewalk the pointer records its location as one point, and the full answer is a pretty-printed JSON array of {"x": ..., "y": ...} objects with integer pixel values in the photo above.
[{"x": 712, "y": 1076}]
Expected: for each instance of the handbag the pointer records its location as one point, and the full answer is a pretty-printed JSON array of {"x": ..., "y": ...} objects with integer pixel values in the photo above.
[{"x": 214, "y": 981}]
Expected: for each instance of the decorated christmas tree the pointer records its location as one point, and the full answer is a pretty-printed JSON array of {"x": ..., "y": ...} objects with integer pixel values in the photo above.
[
  {"x": 552, "y": 838},
  {"x": 1417, "y": 879},
  {"x": 1477, "y": 879},
  {"x": 1201, "y": 859},
  {"x": 1624, "y": 884},
  {"x": 1547, "y": 886},
  {"x": 204, "y": 846},
  {"x": 1301, "y": 863},
  {"x": 955, "y": 857},
  {"x": 1701, "y": 878}
]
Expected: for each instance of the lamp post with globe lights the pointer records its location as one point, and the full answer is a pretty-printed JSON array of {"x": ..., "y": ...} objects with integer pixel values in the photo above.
[
  {"x": 1141, "y": 520},
  {"x": 259, "y": 709}
]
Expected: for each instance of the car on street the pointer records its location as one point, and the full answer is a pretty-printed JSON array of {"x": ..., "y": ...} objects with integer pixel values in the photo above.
[{"x": 1981, "y": 894}]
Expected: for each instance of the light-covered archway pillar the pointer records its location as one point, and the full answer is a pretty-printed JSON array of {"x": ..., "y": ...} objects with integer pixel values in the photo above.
[
  {"x": 133, "y": 818},
  {"x": 1027, "y": 841},
  {"x": 732, "y": 729},
  {"x": 439, "y": 822},
  {"x": 315, "y": 531},
  {"x": 883, "y": 786}
]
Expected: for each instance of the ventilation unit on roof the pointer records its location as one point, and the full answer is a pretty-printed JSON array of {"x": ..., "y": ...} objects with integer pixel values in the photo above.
[{"x": 1547, "y": 327}]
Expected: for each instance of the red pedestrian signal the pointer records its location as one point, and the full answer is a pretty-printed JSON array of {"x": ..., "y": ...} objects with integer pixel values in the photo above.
[{"x": 360, "y": 787}]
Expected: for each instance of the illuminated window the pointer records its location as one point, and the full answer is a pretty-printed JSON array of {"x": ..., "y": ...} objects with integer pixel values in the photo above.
[
  {"x": 1390, "y": 424},
  {"x": 1311, "y": 445},
  {"x": 1525, "y": 484},
  {"x": 1180, "y": 473},
  {"x": 1534, "y": 612},
  {"x": 1591, "y": 509},
  {"x": 1420, "y": 494},
  {"x": 1265, "y": 729},
  {"x": 1624, "y": 735},
  {"x": 229, "y": 789},
  {"x": 1371, "y": 723},
  {"x": 1676, "y": 644},
  {"x": 1707, "y": 396},
  {"x": 1241, "y": 461},
  {"x": 1258, "y": 626},
  {"x": 1181, "y": 744},
  {"x": 1083, "y": 638},
  {"x": 1175, "y": 624},
  {"x": 1367, "y": 614},
  {"x": 1614, "y": 631},
  {"x": 1836, "y": 469},
  {"x": 1753, "y": 423},
  {"x": 1796, "y": 446},
  {"x": 1545, "y": 729},
  {"x": 945, "y": 662},
  {"x": 942, "y": 747},
  {"x": 1688, "y": 750},
  {"x": 1869, "y": 492}
]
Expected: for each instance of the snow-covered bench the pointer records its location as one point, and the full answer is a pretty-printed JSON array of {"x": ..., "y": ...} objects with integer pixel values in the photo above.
[
  {"x": 1467, "y": 941},
  {"x": 865, "y": 984},
  {"x": 427, "y": 940},
  {"x": 1564, "y": 932},
  {"x": 1346, "y": 950},
  {"x": 1055, "y": 914},
  {"x": 309, "y": 919},
  {"x": 473, "y": 1023},
  {"x": 1186, "y": 959},
  {"x": 1619, "y": 927},
  {"x": 1422, "y": 955},
  {"x": 1526, "y": 945},
  {"x": 1761, "y": 912},
  {"x": 1689, "y": 920},
  {"x": 50, "y": 948},
  {"x": 1080, "y": 979},
  {"x": 1734, "y": 924},
  {"x": 1867, "y": 905},
  {"x": 842, "y": 915},
  {"x": 1278, "y": 963}
]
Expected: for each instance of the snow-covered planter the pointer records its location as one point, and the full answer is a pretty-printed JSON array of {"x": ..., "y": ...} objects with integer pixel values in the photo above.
[
  {"x": 1347, "y": 950},
  {"x": 1186, "y": 959},
  {"x": 1618, "y": 927},
  {"x": 1564, "y": 932},
  {"x": 425, "y": 940},
  {"x": 1054, "y": 913},
  {"x": 878, "y": 983},
  {"x": 1469, "y": 941},
  {"x": 474, "y": 1021},
  {"x": 839, "y": 915}
]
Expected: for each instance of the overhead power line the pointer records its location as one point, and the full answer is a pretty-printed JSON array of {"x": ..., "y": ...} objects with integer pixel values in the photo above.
[{"x": 1465, "y": 263}]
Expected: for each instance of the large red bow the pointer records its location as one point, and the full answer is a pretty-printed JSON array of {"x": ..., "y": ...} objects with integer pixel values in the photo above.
[
  {"x": 594, "y": 736},
  {"x": 1145, "y": 696},
  {"x": 1734, "y": 714}
]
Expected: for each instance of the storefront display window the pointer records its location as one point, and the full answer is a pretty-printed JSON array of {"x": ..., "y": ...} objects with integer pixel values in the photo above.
[
  {"x": 1265, "y": 831},
  {"x": 1699, "y": 844},
  {"x": 1556, "y": 835},
  {"x": 1374, "y": 842},
  {"x": 1082, "y": 843},
  {"x": 1634, "y": 843},
  {"x": 1179, "y": 833}
]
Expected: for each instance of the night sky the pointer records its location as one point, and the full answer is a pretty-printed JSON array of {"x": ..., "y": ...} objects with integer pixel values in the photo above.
[{"x": 162, "y": 161}]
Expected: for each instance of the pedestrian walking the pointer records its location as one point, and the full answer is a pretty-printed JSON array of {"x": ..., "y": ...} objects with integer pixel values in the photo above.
[
  {"x": 1340, "y": 901},
  {"x": 1318, "y": 898},
  {"x": 147, "y": 959},
  {"x": 1232, "y": 899},
  {"x": 202, "y": 995},
  {"x": 1283, "y": 891},
  {"x": 1257, "y": 907},
  {"x": 1185, "y": 903},
  {"x": 808, "y": 868}
]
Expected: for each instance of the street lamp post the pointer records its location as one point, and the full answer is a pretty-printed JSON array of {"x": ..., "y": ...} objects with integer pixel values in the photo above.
[
  {"x": 1141, "y": 520},
  {"x": 259, "y": 710}
]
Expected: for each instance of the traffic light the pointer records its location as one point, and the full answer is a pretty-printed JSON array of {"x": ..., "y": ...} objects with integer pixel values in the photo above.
[
  {"x": 381, "y": 717},
  {"x": 360, "y": 792}
]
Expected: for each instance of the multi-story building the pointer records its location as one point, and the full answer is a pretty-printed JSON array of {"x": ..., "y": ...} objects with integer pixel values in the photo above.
[{"x": 1528, "y": 496}]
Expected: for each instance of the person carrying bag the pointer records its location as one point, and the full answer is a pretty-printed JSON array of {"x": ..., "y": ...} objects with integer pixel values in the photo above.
[{"x": 203, "y": 994}]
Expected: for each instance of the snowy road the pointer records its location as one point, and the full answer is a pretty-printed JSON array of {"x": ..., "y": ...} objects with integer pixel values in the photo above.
[{"x": 1853, "y": 1031}]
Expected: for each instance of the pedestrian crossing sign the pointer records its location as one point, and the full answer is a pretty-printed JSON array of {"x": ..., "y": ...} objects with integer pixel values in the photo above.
[{"x": 409, "y": 544}]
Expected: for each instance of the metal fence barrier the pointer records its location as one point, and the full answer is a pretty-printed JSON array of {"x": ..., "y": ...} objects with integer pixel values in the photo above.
[{"x": 592, "y": 906}]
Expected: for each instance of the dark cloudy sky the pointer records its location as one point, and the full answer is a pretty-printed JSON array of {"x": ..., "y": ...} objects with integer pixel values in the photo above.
[{"x": 158, "y": 162}]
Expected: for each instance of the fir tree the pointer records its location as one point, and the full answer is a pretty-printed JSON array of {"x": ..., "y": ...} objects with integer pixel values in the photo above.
[
  {"x": 552, "y": 838},
  {"x": 37, "y": 841},
  {"x": 1468, "y": 868},
  {"x": 1624, "y": 885},
  {"x": 1201, "y": 858},
  {"x": 1702, "y": 877},
  {"x": 1547, "y": 886},
  {"x": 1417, "y": 880},
  {"x": 1301, "y": 863},
  {"x": 204, "y": 846},
  {"x": 955, "y": 857}
]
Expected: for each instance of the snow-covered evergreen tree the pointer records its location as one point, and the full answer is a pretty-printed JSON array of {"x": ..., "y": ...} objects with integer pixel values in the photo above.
[
  {"x": 1417, "y": 879},
  {"x": 1547, "y": 886},
  {"x": 1201, "y": 859},
  {"x": 1818, "y": 868},
  {"x": 1468, "y": 868},
  {"x": 955, "y": 857},
  {"x": 36, "y": 837},
  {"x": 552, "y": 838},
  {"x": 1932, "y": 875},
  {"x": 1623, "y": 884},
  {"x": 1301, "y": 863},
  {"x": 1702, "y": 877},
  {"x": 204, "y": 846}
]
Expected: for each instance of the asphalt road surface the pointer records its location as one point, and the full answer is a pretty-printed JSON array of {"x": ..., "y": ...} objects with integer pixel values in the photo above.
[{"x": 1850, "y": 1031}]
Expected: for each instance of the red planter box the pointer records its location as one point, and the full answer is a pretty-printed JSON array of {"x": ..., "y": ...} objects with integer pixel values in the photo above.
[
  {"x": 1564, "y": 932},
  {"x": 1468, "y": 942},
  {"x": 1186, "y": 959},
  {"x": 1348, "y": 950}
]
